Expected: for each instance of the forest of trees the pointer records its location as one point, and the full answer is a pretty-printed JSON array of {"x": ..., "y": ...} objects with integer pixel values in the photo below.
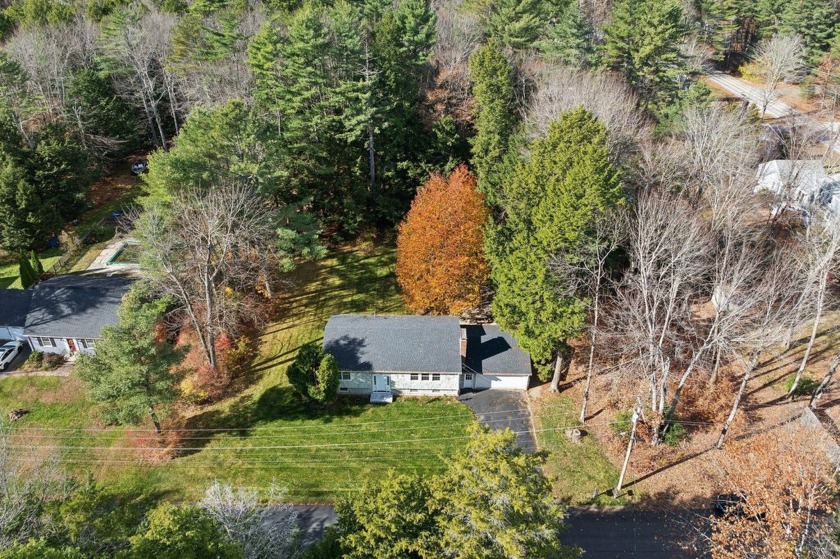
[{"x": 560, "y": 162}]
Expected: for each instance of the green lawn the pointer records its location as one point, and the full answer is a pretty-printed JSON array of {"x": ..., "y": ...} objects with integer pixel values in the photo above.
[
  {"x": 10, "y": 270},
  {"x": 577, "y": 469},
  {"x": 272, "y": 437}
]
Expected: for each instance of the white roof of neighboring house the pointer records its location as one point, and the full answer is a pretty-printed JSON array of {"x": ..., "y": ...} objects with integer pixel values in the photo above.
[{"x": 803, "y": 176}]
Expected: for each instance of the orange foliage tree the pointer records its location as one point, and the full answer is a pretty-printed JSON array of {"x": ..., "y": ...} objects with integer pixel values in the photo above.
[
  {"x": 441, "y": 264},
  {"x": 783, "y": 494}
]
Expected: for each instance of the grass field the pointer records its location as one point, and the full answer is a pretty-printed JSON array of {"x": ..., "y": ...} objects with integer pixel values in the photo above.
[
  {"x": 578, "y": 468},
  {"x": 265, "y": 434},
  {"x": 10, "y": 270}
]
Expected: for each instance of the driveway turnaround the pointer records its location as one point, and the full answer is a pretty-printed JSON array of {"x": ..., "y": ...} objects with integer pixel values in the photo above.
[{"x": 500, "y": 409}]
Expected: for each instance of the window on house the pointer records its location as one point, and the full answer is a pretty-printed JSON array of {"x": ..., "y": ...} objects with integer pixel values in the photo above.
[
  {"x": 346, "y": 376},
  {"x": 343, "y": 389},
  {"x": 45, "y": 342},
  {"x": 468, "y": 376},
  {"x": 424, "y": 376},
  {"x": 415, "y": 376},
  {"x": 435, "y": 377},
  {"x": 88, "y": 344}
]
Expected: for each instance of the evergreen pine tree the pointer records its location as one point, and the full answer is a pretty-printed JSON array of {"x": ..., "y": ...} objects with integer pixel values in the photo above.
[
  {"x": 642, "y": 41},
  {"x": 27, "y": 274},
  {"x": 815, "y": 21},
  {"x": 550, "y": 204},
  {"x": 514, "y": 23},
  {"x": 569, "y": 38},
  {"x": 492, "y": 81},
  {"x": 37, "y": 267}
]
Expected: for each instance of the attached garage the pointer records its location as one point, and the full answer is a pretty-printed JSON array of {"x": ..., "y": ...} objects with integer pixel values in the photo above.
[
  {"x": 14, "y": 304},
  {"x": 498, "y": 382},
  {"x": 493, "y": 360}
]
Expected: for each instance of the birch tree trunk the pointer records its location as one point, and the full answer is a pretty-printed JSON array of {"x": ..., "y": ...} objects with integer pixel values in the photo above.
[
  {"x": 747, "y": 374},
  {"x": 617, "y": 490},
  {"x": 824, "y": 383},
  {"x": 820, "y": 299}
]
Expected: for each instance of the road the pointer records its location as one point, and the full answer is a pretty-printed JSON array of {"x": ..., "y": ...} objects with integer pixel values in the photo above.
[
  {"x": 775, "y": 108},
  {"x": 622, "y": 534}
]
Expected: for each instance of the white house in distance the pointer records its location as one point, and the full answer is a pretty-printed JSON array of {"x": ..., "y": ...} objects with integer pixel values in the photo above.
[
  {"x": 383, "y": 355},
  {"x": 801, "y": 185},
  {"x": 64, "y": 314}
]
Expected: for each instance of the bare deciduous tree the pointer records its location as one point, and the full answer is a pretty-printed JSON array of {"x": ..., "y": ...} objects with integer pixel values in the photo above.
[
  {"x": 559, "y": 89},
  {"x": 778, "y": 58},
  {"x": 821, "y": 247},
  {"x": 669, "y": 253},
  {"x": 205, "y": 249},
  {"x": 767, "y": 315},
  {"x": 262, "y": 531},
  {"x": 136, "y": 49}
]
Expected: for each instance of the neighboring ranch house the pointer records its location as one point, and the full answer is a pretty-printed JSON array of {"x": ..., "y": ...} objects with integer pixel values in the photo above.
[
  {"x": 64, "y": 314},
  {"x": 384, "y": 355}
]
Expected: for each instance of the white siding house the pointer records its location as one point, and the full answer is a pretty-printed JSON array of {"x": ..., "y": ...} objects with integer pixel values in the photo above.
[
  {"x": 67, "y": 313},
  {"x": 422, "y": 355}
]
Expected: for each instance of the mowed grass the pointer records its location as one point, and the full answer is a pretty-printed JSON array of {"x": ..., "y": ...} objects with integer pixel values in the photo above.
[
  {"x": 580, "y": 468},
  {"x": 265, "y": 435},
  {"x": 10, "y": 269}
]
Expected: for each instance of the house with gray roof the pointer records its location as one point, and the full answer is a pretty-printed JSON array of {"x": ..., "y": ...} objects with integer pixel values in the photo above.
[
  {"x": 383, "y": 355},
  {"x": 64, "y": 314},
  {"x": 14, "y": 304}
]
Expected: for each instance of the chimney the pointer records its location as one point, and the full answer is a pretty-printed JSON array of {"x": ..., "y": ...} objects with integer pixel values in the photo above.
[{"x": 463, "y": 344}]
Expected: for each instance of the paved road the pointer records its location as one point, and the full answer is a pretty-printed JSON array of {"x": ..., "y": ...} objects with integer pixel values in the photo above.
[
  {"x": 775, "y": 108},
  {"x": 624, "y": 534},
  {"x": 500, "y": 409}
]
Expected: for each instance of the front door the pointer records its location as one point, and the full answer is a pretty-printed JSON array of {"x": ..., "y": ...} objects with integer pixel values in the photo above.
[
  {"x": 381, "y": 383},
  {"x": 469, "y": 383},
  {"x": 71, "y": 343}
]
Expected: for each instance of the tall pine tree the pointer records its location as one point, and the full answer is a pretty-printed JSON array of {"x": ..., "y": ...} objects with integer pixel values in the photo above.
[
  {"x": 550, "y": 205},
  {"x": 492, "y": 82},
  {"x": 642, "y": 41}
]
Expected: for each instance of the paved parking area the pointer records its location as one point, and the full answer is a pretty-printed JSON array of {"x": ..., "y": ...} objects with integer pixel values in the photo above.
[
  {"x": 19, "y": 358},
  {"x": 500, "y": 409}
]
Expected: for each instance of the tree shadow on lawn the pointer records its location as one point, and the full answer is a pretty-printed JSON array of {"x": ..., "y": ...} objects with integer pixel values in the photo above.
[{"x": 278, "y": 403}]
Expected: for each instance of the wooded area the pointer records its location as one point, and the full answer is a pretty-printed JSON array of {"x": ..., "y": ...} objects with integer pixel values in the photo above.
[{"x": 563, "y": 168}]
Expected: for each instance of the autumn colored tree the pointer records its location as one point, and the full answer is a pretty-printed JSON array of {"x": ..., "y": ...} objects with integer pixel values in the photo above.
[
  {"x": 780, "y": 499},
  {"x": 441, "y": 264}
]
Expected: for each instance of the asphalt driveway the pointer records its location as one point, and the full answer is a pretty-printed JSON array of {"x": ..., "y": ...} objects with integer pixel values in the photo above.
[{"x": 500, "y": 409}]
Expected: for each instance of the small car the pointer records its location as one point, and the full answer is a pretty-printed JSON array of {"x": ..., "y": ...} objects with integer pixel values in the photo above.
[
  {"x": 138, "y": 167},
  {"x": 8, "y": 352}
]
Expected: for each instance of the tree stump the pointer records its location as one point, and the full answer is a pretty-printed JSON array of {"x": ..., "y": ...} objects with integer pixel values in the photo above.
[
  {"x": 16, "y": 414},
  {"x": 574, "y": 435}
]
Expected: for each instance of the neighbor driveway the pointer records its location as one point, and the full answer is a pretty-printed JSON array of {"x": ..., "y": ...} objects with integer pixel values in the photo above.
[{"x": 500, "y": 409}]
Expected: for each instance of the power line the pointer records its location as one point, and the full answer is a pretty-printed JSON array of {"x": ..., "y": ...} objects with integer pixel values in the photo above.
[
  {"x": 285, "y": 428},
  {"x": 298, "y": 447}
]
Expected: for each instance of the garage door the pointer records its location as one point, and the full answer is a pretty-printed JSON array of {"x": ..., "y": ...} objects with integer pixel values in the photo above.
[{"x": 496, "y": 382}]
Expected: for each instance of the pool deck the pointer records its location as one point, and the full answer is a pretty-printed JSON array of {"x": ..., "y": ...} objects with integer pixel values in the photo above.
[{"x": 103, "y": 261}]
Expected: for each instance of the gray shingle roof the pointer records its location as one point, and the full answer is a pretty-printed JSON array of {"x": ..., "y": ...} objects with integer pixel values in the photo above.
[
  {"x": 14, "y": 304},
  {"x": 389, "y": 343},
  {"x": 75, "y": 306},
  {"x": 493, "y": 352}
]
